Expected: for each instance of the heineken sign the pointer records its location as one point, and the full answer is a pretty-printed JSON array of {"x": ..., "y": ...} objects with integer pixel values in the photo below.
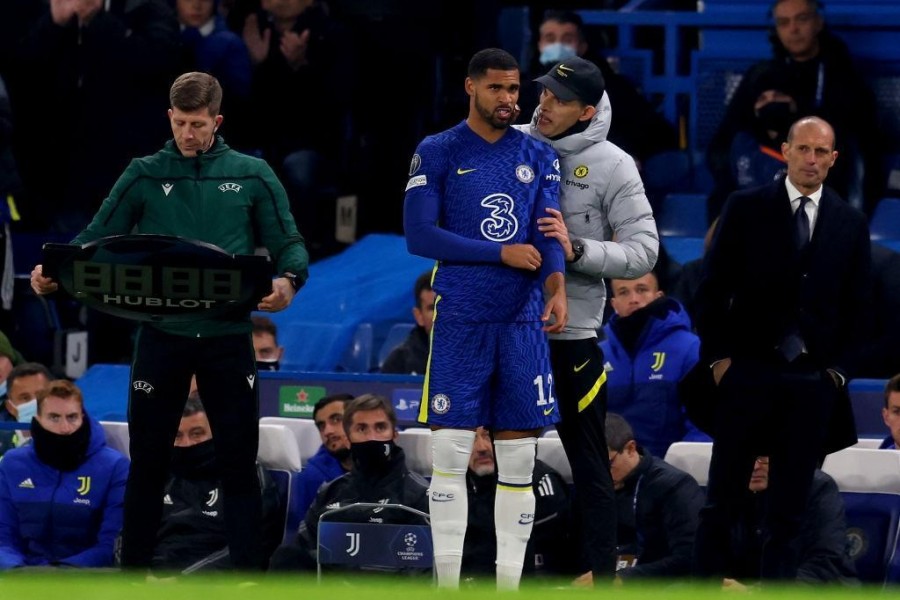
[{"x": 158, "y": 277}]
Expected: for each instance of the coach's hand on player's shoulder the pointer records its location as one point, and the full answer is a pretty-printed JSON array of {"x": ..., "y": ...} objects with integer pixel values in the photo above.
[{"x": 520, "y": 256}]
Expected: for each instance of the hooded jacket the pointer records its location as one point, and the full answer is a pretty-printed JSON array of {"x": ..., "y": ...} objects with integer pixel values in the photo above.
[
  {"x": 51, "y": 517},
  {"x": 601, "y": 195},
  {"x": 643, "y": 371}
]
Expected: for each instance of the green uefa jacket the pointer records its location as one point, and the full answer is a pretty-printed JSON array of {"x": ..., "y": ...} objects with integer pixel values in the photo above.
[{"x": 221, "y": 197}]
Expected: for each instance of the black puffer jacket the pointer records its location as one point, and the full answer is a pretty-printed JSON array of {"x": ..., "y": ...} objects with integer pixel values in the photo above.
[
  {"x": 397, "y": 485},
  {"x": 657, "y": 512}
]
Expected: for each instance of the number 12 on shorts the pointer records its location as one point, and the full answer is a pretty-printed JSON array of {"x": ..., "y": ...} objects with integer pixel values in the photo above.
[{"x": 539, "y": 383}]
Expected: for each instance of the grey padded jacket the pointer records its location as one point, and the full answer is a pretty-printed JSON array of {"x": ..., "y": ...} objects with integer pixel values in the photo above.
[{"x": 604, "y": 205}]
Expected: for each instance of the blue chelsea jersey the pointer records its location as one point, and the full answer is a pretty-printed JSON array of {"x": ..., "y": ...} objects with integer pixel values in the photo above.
[{"x": 465, "y": 197}]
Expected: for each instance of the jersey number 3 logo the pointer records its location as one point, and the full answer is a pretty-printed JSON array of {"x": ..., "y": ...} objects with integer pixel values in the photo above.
[{"x": 502, "y": 224}]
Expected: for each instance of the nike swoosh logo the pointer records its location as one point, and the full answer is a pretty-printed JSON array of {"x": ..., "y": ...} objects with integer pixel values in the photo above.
[
  {"x": 549, "y": 410},
  {"x": 464, "y": 171},
  {"x": 580, "y": 367}
]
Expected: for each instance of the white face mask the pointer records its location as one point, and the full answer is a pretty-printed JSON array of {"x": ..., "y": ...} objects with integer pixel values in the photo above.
[
  {"x": 27, "y": 410},
  {"x": 556, "y": 52}
]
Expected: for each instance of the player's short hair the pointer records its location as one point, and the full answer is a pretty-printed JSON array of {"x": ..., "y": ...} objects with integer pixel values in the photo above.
[
  {"x": 618, "y": 432},
  {"x": 264, "y": 325},
  {"x": 193, "y": 405},
  {"x": 491, "y": 58},
  {"x": 322, "y": 403},
  {"x": 60, "y": 388},
  {"x": 892, "y": 386},
  {"x": 423, "y": 282},
  {"x": 26, "y": 370},
  {"x": 368, "y": 402}
]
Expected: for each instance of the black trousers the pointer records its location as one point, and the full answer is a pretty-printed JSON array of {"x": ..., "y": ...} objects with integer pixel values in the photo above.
[
  {"x": 765, "y": 408},
  {"x": 581, "y": 394},
  {"x": 160, "y": 381}
]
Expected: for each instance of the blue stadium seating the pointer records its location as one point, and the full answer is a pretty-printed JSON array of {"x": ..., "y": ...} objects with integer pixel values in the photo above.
[
  {"x": 869, "y": 481},
  {"x": 885, "y": 222},
  {"x": 395, "y": 336},
  {"x": 683, "y": 215},
  {"x": 358, "y": 356}
]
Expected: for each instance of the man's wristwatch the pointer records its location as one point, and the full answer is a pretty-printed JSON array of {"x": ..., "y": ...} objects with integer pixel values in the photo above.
[
  {"x": 295, "y": 281},
  {"x": 577, "y": 249}
]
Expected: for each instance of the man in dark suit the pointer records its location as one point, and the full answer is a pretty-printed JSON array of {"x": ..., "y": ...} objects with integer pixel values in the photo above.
[{"x": 781, "y": 312}]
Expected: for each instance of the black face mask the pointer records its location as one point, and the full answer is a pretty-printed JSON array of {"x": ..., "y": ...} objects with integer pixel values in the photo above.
[
  {"x": 267, "y": 365},
  {"x": 194, "y": 462},
  {"x": 62, "y": 452},
  {"x": 373, "y": 457},
  {"x": 776, "y": 116}
]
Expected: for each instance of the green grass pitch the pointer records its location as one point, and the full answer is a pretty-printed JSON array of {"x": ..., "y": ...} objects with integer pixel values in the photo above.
[{"x": 86, "y": 585}]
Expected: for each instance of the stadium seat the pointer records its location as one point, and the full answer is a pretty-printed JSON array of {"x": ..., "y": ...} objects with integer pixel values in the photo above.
[
  {"x": 550, "y": 450},
  {"x": 277, "y": 448},
  {"x": 279, "y": 455},
  {"x": 357, "y": 357},
  {"x": 395, "y": 336},
  {"x": 375, "y": 537},
  {"x": 692, "y": 458},
  {"x": 416, "y": 444},
  {"x": 683, "y": 215},
  {"x": 869, "y": 481},
  {"x": 868, "y": 443},
  {"x": 885, "y": 222},
  {"x": 117, "y": 436},
  {"x": 304, "y": 432}
]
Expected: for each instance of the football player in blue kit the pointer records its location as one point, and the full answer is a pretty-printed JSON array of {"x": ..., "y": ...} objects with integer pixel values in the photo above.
[{"x": 472, "y": 202}]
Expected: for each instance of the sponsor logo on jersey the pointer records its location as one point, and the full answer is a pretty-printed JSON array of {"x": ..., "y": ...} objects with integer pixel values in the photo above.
[
  {"x": 502, "y": 224},
  {"x": 84, "y": 485},
  {"x": 581, "y": 171},
  {"x": 27, "y": 483},
  {"x": 659, "y": 359},
  {"x": 578, "y": 368},
  {"x": 230, "y": 187},
  {"x": 417, "y": 181},
  {"x": 167, "y": 187},
  {"x": 464, "y": 171},
  {"x": 526, "y": 518}
]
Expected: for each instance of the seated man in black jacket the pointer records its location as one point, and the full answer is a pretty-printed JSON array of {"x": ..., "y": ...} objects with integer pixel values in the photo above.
[
  {"x": 550, "y": 549},
  {"x": 657, "y": 508},
  {"x": 411, "y": 357},
  {"x": 821, "y": 545},
  {"x": 192, "y": 531},
  {"x": 379, "y": 475}
]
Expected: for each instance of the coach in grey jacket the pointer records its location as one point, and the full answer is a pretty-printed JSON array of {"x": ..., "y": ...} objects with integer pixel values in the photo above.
[{"x": 607, "y": 230}]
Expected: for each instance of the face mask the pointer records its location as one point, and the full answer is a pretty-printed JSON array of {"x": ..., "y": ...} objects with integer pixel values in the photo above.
[
  {"x": 267, "y": 365},
  {"x": 554, "y": 53},
  {"x": 373, "y": 457},
  {"x": 27, "y": 410},
  {"x": 776, "y": 116},
  {"x": 194, "y": 462},
  {"x": 62, "y": 452}
]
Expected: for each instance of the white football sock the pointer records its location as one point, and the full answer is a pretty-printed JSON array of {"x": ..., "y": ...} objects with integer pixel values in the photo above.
[
  {"x": 513, "y": 507},
  {"x": 448, "y": 501}
]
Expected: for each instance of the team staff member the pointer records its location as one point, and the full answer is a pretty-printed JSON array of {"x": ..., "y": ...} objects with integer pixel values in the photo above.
[
  {"x": 472, "y": 202},
  {"x": 197, "y": 187},
  {"x": 781, "y": 323},
  {"x": 607, "y": 230}
]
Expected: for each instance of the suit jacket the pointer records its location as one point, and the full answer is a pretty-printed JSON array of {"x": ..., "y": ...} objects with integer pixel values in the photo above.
[{"x": 756, "y": 287}]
